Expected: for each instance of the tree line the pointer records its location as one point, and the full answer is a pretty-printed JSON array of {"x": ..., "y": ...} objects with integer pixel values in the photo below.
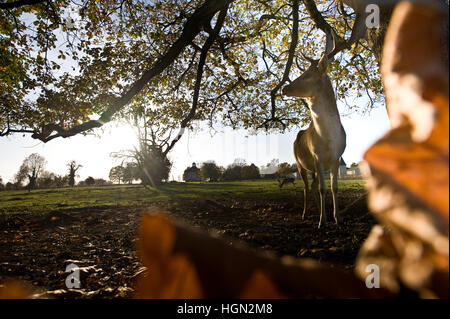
[
  {"x": 33, "y": 175},
  {"x": 149, "y": 167},
  {"x": 239, "y": 170}
]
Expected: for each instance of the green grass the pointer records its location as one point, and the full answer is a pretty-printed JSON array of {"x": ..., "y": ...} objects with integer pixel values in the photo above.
[{"x": 137, "y": 195}]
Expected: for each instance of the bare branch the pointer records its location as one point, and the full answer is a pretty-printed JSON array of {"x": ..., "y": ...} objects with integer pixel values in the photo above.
[
  {"x": 191, "y": 63},
  {"x": 290, "y": 60},
  {"x": 202, "y": 60},
  {"x": 358, "y": 30}
]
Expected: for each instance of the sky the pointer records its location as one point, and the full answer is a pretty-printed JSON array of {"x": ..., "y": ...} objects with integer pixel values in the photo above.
[{"x": 93, "y": 152}]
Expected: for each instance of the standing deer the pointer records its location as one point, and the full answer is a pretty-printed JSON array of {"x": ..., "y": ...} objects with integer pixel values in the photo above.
[{"x": 319, "y": 147}]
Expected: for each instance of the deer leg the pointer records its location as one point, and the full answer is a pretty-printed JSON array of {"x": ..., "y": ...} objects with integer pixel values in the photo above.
[
  {"x": 334, "y": 190},
  {"x": 304, "y": 175},
  {"x": 322, "y": 189},
  {"x": 315, "y": 189}
]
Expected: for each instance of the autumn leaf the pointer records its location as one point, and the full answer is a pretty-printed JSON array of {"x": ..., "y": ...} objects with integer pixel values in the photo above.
[
  {"x": 409, "y": 183},
  {"x": 13, "y": 289},
  {"x": 168, "y": 276},
  {"x": 186, "y": 263},
  {"x": 260, "y": 286},
  {"x": 157, "y": 237}
]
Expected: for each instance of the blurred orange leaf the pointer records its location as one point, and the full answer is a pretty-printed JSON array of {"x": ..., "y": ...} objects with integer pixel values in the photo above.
[
  {"x": 260, "y": 286},
  {"x": 168, "y": 276},
  {"x": 409, "y": 183},
  {"x": 13, "y": 289},
  {"x": 157, "y": 237},
  {"x": 185, "y": 263}
]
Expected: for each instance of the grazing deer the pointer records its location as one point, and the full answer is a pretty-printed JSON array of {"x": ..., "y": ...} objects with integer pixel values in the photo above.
[
  {"x": 319, "y": 147},
  {"x": 286, "y": 180}
]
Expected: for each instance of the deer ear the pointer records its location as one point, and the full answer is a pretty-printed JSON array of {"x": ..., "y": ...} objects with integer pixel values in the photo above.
[{"x": 323, "y": 64}]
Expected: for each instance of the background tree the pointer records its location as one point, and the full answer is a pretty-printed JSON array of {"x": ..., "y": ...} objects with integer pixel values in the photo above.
[
  {"x": 89, "y": 181},
  {"x": 239, "y": 162},
  {"x": 153, "y": 166},
  {"x": 130, "y": 173},
  {"x": 61, "y": 181},
  {"x": 100, "y": 182},
  {"x": 284, "y": 169},
  {"x": 116, "y": 174},
  {"x": 46, "y": 180},
  {"x": 2, "y": 187},
  {"x": 209, "y": 171},
  {"x": 294, "y": 168},
  {"x": 21, "y": 175},
  {"x": 192, "y": 174},
  {"x": 31, "y": 168},
  {"x": 218, "y": 61},
  {"x": 271, "y": 167},
  {"x": 147, "y": 163},
  {"x": 250, "y": 172},
  {"x": 232, "y": 173},
  {"x": 73, "y": 168}
]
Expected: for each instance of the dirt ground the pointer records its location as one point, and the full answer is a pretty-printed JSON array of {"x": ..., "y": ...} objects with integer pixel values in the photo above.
[{"x": 37, "y": 247}]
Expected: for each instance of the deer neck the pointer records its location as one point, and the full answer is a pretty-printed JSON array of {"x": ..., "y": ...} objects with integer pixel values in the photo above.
[{"x": 324, "y": 112}]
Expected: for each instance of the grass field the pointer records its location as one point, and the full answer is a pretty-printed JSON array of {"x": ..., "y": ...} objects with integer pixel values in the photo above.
[
  {"x": 138, "y": 195},
  {"x": 96, "y": 227}
]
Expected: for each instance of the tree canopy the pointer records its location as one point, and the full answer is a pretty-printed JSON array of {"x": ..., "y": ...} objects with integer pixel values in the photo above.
[{"x": 70, "y": 66}]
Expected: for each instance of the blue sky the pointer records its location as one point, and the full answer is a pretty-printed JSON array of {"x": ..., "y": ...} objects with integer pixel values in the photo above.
[{"x": 93, "y": 152}]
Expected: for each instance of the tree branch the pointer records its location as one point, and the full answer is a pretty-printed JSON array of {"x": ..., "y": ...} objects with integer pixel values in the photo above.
[
  {"x": 191, "y": 63},
  {"x": 190, "y": 31},
  {"x": 290, "y": 60},
  {"x": 9, "y": 131},
  {"x": 201, "y": 63},
  {"x": 358, "y": 30},
  {"x": 20, "y": 3}
]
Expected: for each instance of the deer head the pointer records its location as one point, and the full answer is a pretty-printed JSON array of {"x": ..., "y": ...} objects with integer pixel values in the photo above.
[
  {"x": 315, "y": 79},
  {"x": 311, "y": 82}
]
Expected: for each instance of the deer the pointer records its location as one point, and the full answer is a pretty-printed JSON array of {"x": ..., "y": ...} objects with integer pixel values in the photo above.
[
  {"x": 321, "y": 145},
  {"x": 286, "y": 180}
]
